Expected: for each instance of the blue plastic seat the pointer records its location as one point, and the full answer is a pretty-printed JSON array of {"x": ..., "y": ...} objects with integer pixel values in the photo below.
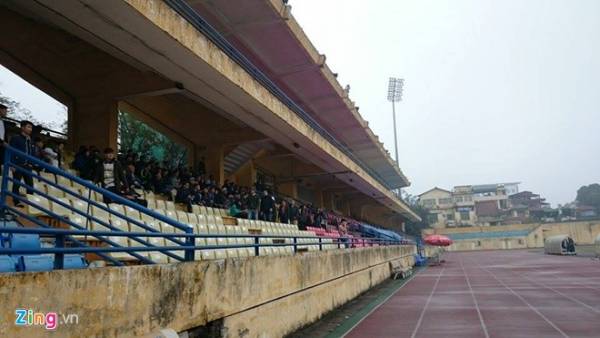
[
  {"x": 8, "y": 224},
  {"x": 420, "y": 261},
  {"x": 24, "y": 241},
  {"x": 74, "y": 262},
  {"x": 35, "y": 263},
  {"x": 7, "y": 264},
  {"x": 5, "y": 237}
]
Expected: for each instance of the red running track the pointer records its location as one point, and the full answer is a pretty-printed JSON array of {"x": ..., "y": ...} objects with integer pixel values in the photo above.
[{"x": 493, "y": 294}]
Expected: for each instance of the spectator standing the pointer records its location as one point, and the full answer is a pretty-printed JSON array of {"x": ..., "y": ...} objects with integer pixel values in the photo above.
[
  {"x": 253, "y": 204},
  {"x": 284, "y": 212},
  {"x": 38, "y": 152},
  {"x": 109, "y": 174},
  {"x": 266, "y": 207},
  {"x": 92, "y": 161},
  {"x": 81, "y": 158},
  {"x": 22, "y": 142},
  {"x": 293, "y": 212}
]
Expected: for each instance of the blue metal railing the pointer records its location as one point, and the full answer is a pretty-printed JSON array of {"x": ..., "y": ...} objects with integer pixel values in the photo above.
[
  {"x": 188, "y": 13},
  {"x": 64, "y": 233},
  {"x": 9, "y": 165},
  {"x": 69, "y": 240}
]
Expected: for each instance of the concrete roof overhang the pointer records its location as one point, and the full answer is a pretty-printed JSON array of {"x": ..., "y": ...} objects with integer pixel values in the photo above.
[
  {"x": 153, "y": 35},
  {"x": 266, "y": 33}
]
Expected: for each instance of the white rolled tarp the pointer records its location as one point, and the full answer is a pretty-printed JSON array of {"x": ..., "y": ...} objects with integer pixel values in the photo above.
[
  {"x": 559, "y": 245},
  {"x": 597, "y": 245}
]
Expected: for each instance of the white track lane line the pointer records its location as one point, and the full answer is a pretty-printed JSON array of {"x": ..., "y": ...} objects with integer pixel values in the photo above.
[
  {"x": 562, "y": 294},
  {"x": 383, "y": 302},
  {"x": 485, "y": 331},
  {"x": 527, "y": 303},
  {"x": 427, "y": 304}
]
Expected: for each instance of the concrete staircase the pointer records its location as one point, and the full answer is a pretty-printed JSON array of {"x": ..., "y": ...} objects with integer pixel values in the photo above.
[{"x": 240, "y": 155}]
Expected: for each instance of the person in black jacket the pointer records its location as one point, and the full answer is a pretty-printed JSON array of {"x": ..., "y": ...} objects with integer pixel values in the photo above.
[
  {"x": 23, "y": 143},
  {"x": 267, "y": 204},
  {"x": 293, "y": 213},
  {"x": 109, "y": 174},
  {"x": 284, "y": 212},
  {"x": 253, "y": 203}
]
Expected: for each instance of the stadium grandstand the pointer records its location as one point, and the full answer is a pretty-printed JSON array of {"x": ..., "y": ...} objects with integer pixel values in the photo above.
[
  {"x": 284, "y": 209},
  {"x": 285, "y": 192}
]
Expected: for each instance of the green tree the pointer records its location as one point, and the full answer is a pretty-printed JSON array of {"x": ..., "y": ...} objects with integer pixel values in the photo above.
[
  {"x": 589, "y": 195},
  {"x": 141, "y": 139},
  {"x": 414, "y": 228}
]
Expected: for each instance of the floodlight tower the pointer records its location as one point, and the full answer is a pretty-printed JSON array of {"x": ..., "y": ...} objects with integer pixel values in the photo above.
[{"x": 395, "y": 88}]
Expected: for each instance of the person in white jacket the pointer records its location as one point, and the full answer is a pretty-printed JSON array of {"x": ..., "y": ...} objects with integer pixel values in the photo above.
[{"x": 51, "y": 155}]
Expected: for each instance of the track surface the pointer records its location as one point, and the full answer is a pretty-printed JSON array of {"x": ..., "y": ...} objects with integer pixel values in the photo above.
[{"x": 493, "y": 294}]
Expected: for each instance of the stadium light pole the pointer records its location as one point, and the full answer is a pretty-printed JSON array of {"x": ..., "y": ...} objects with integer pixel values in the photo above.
[{"x": 395, "y": 88}]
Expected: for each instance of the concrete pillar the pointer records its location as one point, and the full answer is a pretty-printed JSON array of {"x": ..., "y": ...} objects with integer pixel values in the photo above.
[
  {"x": 327, "y": 200},
  {"x": 246, "y": 175},
  {"x": 319, "y": 198},
  {"x": 215, "y": 163},
  {"x": 94, "y": 121},
  {"x": 289, "y": 189},
  {"x": 347, "y": 208}
]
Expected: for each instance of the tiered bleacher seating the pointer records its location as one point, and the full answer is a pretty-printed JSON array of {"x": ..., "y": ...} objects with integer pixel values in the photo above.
[{"x": 203, "y": 220}]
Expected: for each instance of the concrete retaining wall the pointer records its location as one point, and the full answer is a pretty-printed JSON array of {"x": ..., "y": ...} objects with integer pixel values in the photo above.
[
  {"x": 132, "y": 301},
  {"x": 581, "y": 232},
  {"x": 284, "y": 316}
]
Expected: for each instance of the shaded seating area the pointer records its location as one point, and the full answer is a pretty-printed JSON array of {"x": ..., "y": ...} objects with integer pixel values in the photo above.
[{"x": 126, "y": 233}]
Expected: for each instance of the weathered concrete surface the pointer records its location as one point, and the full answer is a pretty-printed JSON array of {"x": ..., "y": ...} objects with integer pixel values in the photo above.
[
  {"x": 132, "y": 301},
  {"x": 283, "y": 316},
  {"x": 507, "y": 227},
  {"x": 431, "y": 251},
  {"x": 274, "y": 111},
  {"x": 583, "y": 233}
]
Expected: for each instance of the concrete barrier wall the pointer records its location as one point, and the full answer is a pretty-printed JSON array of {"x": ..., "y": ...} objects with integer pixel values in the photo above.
[
  {"x": 489, "y": 244},
  {"x": 431, "y": 251},
  {"x": 583, "y": 233},
  {"x": 286, "y": 315},
  {"x": 132, "y": 301},
  {"x": 459, "y": 230}
]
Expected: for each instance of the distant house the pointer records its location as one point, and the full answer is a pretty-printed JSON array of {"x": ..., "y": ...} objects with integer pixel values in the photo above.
[
  {"x": 439, "y": 203},
  {"x": 527, "y": 199},
  {"x": 483, "y": 204}
]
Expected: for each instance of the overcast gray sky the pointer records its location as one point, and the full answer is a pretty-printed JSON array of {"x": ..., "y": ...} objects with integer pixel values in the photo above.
[
  {"x": 496, "y": 90},
  {"x": 42, "y": 106}
]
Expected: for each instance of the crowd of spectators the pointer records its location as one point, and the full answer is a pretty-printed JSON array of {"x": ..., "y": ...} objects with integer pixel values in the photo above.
[{"x": 127, "y": 173}]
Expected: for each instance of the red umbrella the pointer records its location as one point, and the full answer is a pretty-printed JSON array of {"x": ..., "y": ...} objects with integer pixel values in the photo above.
[
  {"x": 445, "y": 241},
  {"x": 438, "y": 240}
]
